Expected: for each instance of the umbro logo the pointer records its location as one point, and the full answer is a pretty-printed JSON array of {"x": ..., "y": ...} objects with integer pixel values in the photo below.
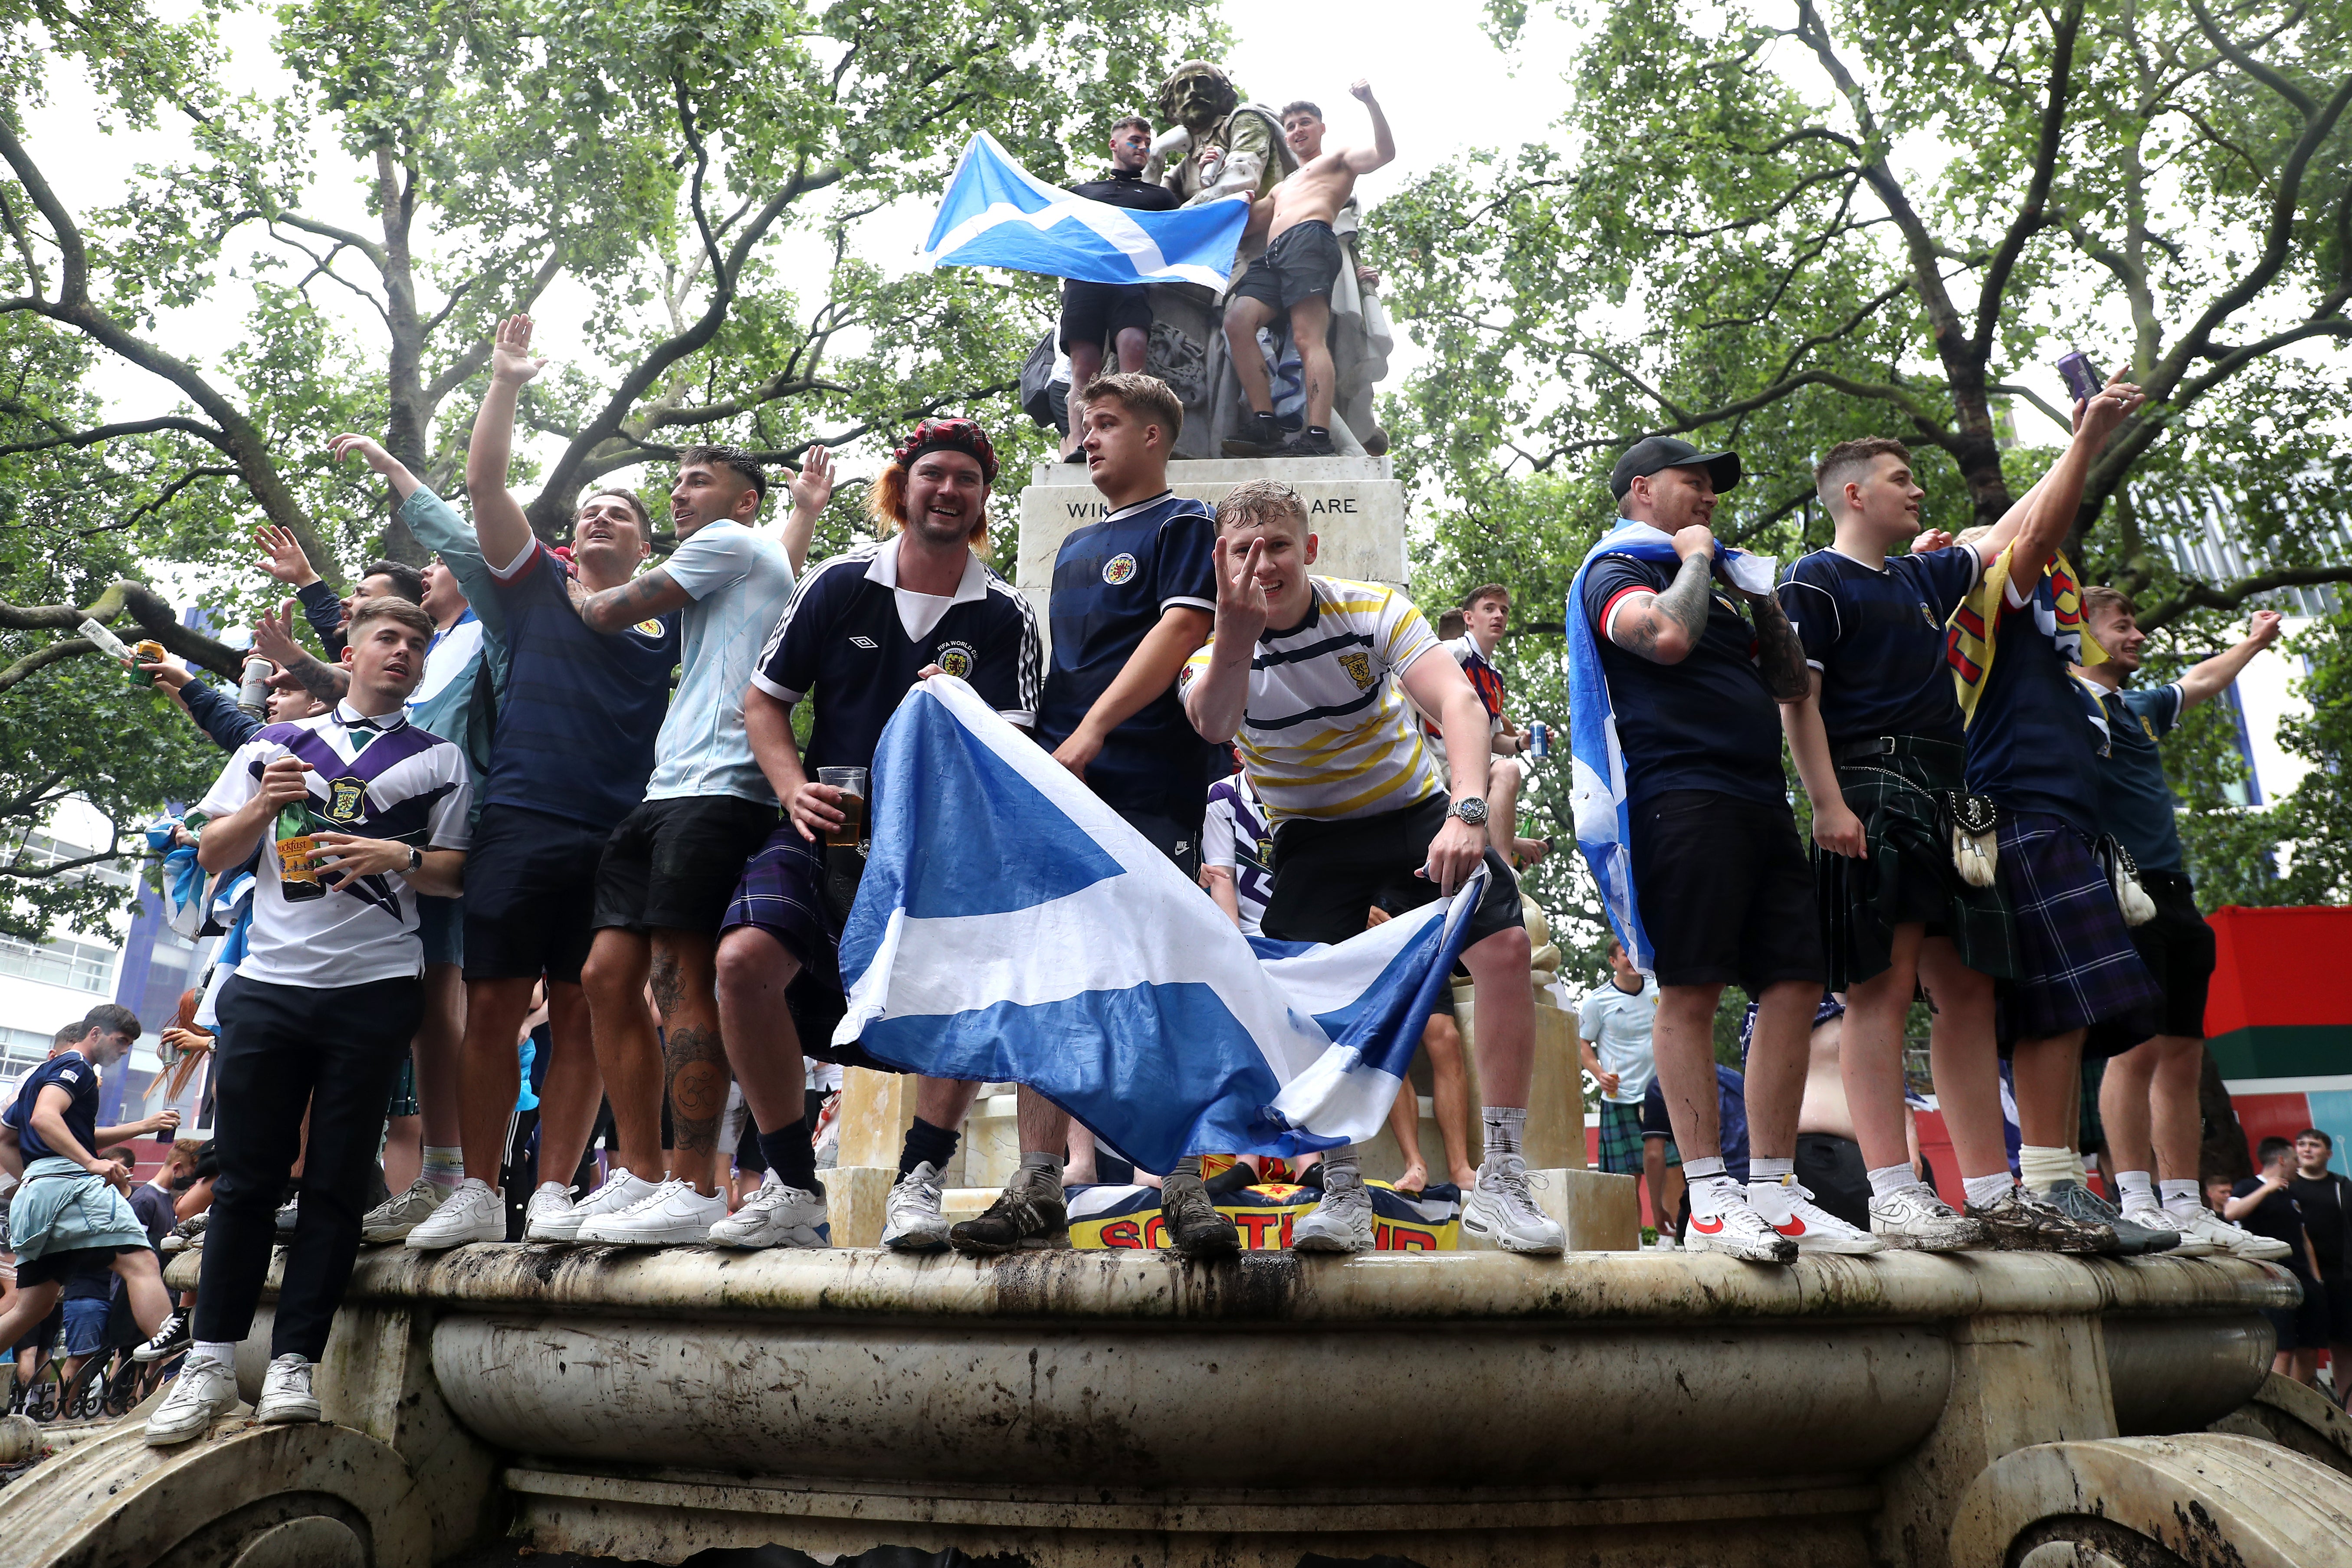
[{"x": 866, "y": 643}]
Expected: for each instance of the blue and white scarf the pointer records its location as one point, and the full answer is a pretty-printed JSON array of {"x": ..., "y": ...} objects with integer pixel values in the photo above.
[{"x": 1597, "y": 786}]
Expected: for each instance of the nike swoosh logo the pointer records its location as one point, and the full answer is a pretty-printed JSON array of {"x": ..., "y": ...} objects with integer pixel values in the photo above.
[
  {"x": 1707, "y": 1226},
  {"x": 1794, "y": 1228}
]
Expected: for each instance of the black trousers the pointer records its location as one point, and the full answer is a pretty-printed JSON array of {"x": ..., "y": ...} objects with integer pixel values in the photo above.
[{"x": 283, "y": 1049}]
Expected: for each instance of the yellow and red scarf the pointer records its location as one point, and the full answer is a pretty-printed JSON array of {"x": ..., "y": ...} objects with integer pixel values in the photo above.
[{"x": 1972, "y": 635}]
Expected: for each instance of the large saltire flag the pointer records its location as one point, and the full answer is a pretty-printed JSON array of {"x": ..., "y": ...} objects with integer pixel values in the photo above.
[
  {"x": 1012, "y": 926},
  {"x": 998, "y": 213}
]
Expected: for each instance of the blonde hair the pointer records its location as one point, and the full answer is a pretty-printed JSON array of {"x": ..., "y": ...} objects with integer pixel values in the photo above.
[{"x": 1259, "y": 502}]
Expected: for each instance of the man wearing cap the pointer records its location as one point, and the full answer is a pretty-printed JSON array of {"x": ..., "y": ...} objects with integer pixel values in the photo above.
[
  {"x": 1716, "y": 872},
  {"x": 861, "y": 629}
]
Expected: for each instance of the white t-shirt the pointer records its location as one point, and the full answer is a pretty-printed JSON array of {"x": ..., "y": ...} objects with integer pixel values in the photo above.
[
  {"x": 741, "y": 581},
  {"x": 1618, "y": 1024},
  {"x": 403, "y": 782}
]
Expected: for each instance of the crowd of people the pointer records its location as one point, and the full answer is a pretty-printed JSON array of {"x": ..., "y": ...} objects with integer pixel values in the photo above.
[{"x": 487, "y": 800}]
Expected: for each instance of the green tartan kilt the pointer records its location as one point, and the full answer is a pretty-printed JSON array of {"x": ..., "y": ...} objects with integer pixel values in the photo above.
[{"x": 1906, "y": 877}]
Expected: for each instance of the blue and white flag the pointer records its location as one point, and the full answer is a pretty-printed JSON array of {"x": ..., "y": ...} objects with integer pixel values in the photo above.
[
  {"x": 1596, "y": 763},
  {"x": 998, "y": 213},
  {"x": 1012, "y": 926}
]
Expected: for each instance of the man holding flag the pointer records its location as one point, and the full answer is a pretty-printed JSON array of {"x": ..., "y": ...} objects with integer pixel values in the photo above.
[
  {"x": 1683, "y": 814},
  {"x": 1119, "y": 312},
  {"x": 1307, "y": 672}
]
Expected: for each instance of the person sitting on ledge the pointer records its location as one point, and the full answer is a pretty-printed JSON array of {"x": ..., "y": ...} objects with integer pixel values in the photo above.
[
  {"x": 1312, "y": 674},
  {"x": 1294, "y": 275}
]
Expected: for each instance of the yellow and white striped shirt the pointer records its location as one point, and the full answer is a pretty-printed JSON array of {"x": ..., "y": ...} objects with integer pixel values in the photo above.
[{"x": 1326, "y": 732}]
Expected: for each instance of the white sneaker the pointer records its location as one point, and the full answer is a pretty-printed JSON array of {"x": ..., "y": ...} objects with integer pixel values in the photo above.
[
  {"x": 1342, "y": 1222},
  {"x": 1666, "y": 1243},
  {"x": 1505, "y": 1212},
  {"x": 1813, "y": 1228},
  {"x": 286, "y": 1394},
  {"x": 475, "y": 1212},
  {"x": 203, "y": 1393},
  {"x": 1739, "y": 1231},
  {"x": 776, "y": 1215},
  {"x": 911, "y": 1220},
  {"x": 2206, "y": 1225},
  {"x": 2190, "y": 1245},
  {"x": 394, "y": 1218},
  {"x": 550, "y": 1205},
  {"x": 1915, "y": 1217},
  {"x": 672, "y": 1215},
  {"x": 617, "y": 1192}
]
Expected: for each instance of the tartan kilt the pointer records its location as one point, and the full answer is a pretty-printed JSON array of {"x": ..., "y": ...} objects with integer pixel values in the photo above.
[
  {"x": 2077, "y": 965},
  {"x": 1908, "y": 877},
  {"x": 1621, "y": 1137}
]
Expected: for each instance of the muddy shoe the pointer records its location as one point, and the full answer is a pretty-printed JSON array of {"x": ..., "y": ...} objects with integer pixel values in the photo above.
[
  {"x": 1023, "y": 1218},
  {"x": 1195, "y": 1228}
]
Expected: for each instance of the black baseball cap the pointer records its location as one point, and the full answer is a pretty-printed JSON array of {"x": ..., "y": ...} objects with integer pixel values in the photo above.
[{"x": 1652, "y": 453}]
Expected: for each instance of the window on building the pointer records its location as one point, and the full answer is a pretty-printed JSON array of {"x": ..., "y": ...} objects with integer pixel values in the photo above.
[
  {"x": 21, "y": 1050},
  {"x": 82, "y": 965}
]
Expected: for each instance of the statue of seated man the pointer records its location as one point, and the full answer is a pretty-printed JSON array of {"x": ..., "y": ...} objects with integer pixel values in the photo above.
[{"x": 1295, "y": 275}]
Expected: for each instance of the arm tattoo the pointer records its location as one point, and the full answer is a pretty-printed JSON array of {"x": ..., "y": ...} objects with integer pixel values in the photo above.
[
  {"x": 1684, "y": 603},
  {"x": 627, "y": 604},
  {"x": 326, "y": 682},
  {"x": 1779, "y": 653}
]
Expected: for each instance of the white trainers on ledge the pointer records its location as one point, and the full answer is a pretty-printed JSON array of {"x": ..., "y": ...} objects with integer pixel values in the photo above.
[
  {"x": 2190, "y": 1245},
  {"x": 1789, "y": 1209},
  {"x": 1502, "y": 1210},
  {"x": 286, "y": 1395},
  {"x": 203, "y": 1393},
  {"x": 554, "y": 1221},
  {"x": 1739, "y": 1231},
  {"x": 1915, "y": 1217},
  {"x": 672, "y": 1215},
  {"x": 2206, "y": 1225},
  {"x": 1342, "y": 1222},
  {"x": 475, "y": 1212},
  {"x": 912, "y": 1217},
  {"x": 776, "y": 1215}
]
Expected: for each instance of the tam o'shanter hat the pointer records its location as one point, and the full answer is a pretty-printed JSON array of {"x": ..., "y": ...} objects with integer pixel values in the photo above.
[
  {"x": 949, "y": 436},
  {"x": 1652, "y": 453}
]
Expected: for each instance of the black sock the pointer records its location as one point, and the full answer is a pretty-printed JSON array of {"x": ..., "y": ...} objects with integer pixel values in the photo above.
[
  {"x": 811, "y": 1105},
  {"x": 788, "y": 1153},
  {"x": 928, "y": 1145},
  {"x": 1322, "y": 430}
]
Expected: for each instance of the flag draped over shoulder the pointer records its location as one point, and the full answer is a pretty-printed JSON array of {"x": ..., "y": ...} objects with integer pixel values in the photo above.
[
  {"x": 1972, "y": 637},
  {"x": 1596, "y": 762},
  {"x": 1012, "y": 926},
  {"x": 997, "y": 214}
]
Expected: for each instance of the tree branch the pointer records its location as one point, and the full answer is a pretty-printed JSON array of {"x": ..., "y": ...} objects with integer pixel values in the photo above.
[
  {"x": 154, "y": 613},
  {"x": 2195, "y": 596},
  {"x": 92, "y": 437},
  {"x": 2032, "y": 215},
  {"x": 42, "y": 657}
]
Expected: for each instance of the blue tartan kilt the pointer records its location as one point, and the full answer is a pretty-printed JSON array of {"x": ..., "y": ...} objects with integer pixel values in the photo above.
[{"x": 2077, "y": 965}]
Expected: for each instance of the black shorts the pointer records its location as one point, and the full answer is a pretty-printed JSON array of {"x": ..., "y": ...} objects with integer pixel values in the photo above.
[
  {"x": 57, "y": 1268},
  {"x": 1303, "y": 262},
  {"x": 2177, "y": 948},
  {"x": 2303, "y": 1327},
  {"x": 2338, "y": 1290},
  {"x": 1177, "y": 839},
  {"x": 1328, "y": 875},
  {"x": 1097, "y": 312},
  {"x": 531, "y": 887},
  {"x": 672, "y": 865},
  {"x": 1831, "y": 1167},
  {"x": 1725, "y": 893}
]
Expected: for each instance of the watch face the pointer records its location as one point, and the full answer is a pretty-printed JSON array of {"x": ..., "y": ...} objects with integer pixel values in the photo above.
[{"x": 1472, "y": 811}]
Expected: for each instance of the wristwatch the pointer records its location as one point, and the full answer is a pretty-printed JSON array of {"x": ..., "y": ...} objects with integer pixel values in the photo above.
[
  {"x": 416, "y": 857},
  {"x": 1472, "y": 811}
]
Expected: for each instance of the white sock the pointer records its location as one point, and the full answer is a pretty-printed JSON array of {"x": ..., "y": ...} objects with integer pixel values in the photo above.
[
  {"x": 2042, "y": 1167},
  {"x": 2139, "y": 1190},
  {"x": 2082, "y": 1171},
  {"x": 1984, "y": 1191},
  {"x": 221, "y": 1351},
  {"x": 1506, "y": 1124},
  {"x": 1888, "y": 1180},
  {"x": 2181, "y": 1197},
  {"x": 443, "y": 1167},
  {"x": 1712, "y": 1191},
  {"x": 1343, "y": 1168}
]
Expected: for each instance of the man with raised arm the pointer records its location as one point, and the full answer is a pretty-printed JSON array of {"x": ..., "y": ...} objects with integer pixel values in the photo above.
[
  {"x": 1721, "y": 891},
  {"x": 2148, "y": 1100},
  {"x": 1311, "y": 674},
  {"x": 864, "y": 628},
  {"x": 321, "y": 1007},
  {"x": 1879, "y": 743},
  {"x": 1295, "y": 275}
]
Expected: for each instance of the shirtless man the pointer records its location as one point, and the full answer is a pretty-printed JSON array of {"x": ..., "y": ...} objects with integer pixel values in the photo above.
[{"x": 1295, "y": 277}]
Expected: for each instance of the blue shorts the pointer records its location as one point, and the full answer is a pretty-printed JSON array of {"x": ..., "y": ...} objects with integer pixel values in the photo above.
[
  {"x": 86, "y": 1324},
  {"x": 441, "y": 922}
]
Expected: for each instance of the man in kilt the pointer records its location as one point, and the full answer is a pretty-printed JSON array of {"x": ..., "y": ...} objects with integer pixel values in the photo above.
[{"x": 1879, "y": 743}]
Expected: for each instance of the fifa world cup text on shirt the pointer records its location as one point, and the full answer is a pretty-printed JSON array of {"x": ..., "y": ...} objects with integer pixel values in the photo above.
[
  {"x": 581, "y": 709},
  {"x": 1112, "y": 581},
  {"x": 857, "y": 639},
  {"x": 1327, "y": 732},
  {"x": 1877, "y": 634},
  {"x": 2134, "y": 798},
  {"x": 378, "y": 778},
  {"x": 741, "y": 581}
]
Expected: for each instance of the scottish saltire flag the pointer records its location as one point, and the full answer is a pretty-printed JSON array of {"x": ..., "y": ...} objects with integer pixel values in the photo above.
[
  {"x": 1596, "y": 763},
  {"x": 998, "y": 213},
  {"x": 1012, "y": 926}
]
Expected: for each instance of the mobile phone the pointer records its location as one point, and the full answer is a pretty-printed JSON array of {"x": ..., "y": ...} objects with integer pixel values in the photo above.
[{"x": 2082, "y": 377}]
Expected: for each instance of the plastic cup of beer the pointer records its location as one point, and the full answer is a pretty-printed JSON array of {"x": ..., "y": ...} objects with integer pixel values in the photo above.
[{"x": 853, "y": 786}]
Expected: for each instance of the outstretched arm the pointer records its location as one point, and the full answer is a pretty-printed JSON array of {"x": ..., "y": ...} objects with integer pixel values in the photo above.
[
  {"x": 499, "y": 521},
  {"x": 2059, "y": 496},
  {"x": 811, "y": 488},
  {"x": 1383, "y": 151},
  {"x": 2205, "y": 681}
]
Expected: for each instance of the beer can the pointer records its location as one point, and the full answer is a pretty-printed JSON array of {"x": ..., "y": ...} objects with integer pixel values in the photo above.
[
  {"x": 1539, "y": 739},
  {"x": 2082, "y": 377}
]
